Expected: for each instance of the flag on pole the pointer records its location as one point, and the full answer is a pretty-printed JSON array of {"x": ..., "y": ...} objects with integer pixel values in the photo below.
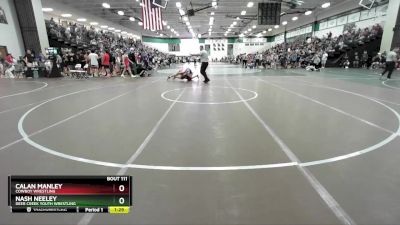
[{"x": 151, "y": 16}]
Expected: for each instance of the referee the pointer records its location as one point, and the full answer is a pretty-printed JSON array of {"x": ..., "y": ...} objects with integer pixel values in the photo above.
[
  {"x": 391, "y": 59},
  {"x": 204, "y": 64}
]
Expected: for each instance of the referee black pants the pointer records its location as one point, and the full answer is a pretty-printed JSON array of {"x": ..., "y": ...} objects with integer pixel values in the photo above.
[
  {"x": 389, "y": 68},
  {"x": 203, "y": 69}
]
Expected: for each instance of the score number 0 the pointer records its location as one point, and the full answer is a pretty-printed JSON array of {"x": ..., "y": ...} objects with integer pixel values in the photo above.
[{"x": 121, "y": 200}]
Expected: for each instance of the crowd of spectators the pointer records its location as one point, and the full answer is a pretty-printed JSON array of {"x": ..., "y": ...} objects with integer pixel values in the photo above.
[
  {"x": 99, "y": 52},
  {"x": 313, "y": 52},
  {"x": 104, "y": 52}
]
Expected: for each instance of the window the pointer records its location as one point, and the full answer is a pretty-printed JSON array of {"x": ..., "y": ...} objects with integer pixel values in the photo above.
[{"x": 174, "y": 47}]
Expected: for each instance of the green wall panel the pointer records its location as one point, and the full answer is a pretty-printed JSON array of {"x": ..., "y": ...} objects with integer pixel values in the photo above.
[{"x": 162, "y": 40}]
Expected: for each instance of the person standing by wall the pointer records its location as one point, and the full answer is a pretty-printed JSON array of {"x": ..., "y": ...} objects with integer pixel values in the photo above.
[
  {"x": 356, "y": 61},
  {"x": 324, "y": 59},
  {"x": 391, "y": 60},
  {"x": 94, "y": 63},
  {"x": 132, "y": 58},
  {"x": 106, "y": 63},
  {"x": 204, "y": 64},
  {"x": 244, "y": 61},
  {"x": 28, "y": 60},
  {"x": 127, "y": 65}
]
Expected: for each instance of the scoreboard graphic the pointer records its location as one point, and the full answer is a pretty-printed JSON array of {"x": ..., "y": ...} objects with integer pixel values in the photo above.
[{"x": 70, "y": 194}]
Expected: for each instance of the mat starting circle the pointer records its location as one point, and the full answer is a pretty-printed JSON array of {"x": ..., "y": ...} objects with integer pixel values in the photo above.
[{"x": 253, "y": 94}]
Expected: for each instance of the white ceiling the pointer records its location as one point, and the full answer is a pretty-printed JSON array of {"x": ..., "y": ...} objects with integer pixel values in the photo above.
[{"x": 225, "y": 14}]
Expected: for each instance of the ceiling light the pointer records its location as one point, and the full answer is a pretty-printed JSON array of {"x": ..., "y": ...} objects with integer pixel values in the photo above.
[
  {"x": 94, "y": 23},
  {"x": 181, "y": 12},
  {"x": 168, "y": 27},
  {"x": 237, "y": 18},
  {"x": 124, "y": 32},
  {"x": 209, "y": 30},
  {"x": 258, "y": 35},
  {"x": 249, "y": 30},
  {"x": 81, "y": 20},
  {"x": 225, "y": 35},
  {"x": 140, "y": 24},
  {"x": 254, "y": 26},
  {"x": 172, "y": 30},
  {"x": 187, "y": 23},
  {"x": 177, "y": 35},
  {"x": 250, "y": 4},
  {"x": 47, "y": 10},
  {"x": 212, "y": 13},
  {"x": 117, "y": 31},
  {"x": 106, "y": 5},
  {"x": 269, "y": 29},
  {"x": 326, "y": 5},
  {"x": 103, "y": 26},
  {"x": 185, "y": 18},
  {"x": 179, "y": 4},
  {"x": 214, "y": 4},
  {"x": 132, "y": 19},
  {"x": 161, "y": 35},
  {"x": 243, "y": 13},
  {"x": 66, "y": 15},
  {"x": 165, "y": 23},
  {"x": 308, "y": 12},
  {"x": 111, "y": 28},
  {"x": 211, "y": 21},
  {"x": 241, "y": 35},
  {"x": 284, "y": 23},
  {"x": 276, "y": 26},
  {"x": 190, "y": 27},
  {"x": 295, "y": 18},
  {"x": 121, "y": 13},
  {"x": 264, "y": 32},
  {"x": 234, "y": 23},
  {"x": 245, "y": 32},
  {"x": 199, "y": 35}
]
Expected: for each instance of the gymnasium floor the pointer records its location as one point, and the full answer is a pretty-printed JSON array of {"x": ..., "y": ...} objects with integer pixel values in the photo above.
[{"x": 252, "y": 147}]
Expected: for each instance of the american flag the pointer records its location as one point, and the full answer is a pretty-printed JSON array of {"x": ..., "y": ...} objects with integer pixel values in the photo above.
[{"x": 151, "y": 16}]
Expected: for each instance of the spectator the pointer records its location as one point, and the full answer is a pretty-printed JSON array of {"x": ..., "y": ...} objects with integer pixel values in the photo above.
[
  {"x": 127, "y": 66},
  {"x": 356, "y": 61},
  {"x": 365, "y": 59},
  {"x": 376, "y": 61},
  {"x": 324, "y": 59},
  {"x": 94, "y": 63},
  {"x": 106, "y": 63},
  {"x": 28, "y": 60}
]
